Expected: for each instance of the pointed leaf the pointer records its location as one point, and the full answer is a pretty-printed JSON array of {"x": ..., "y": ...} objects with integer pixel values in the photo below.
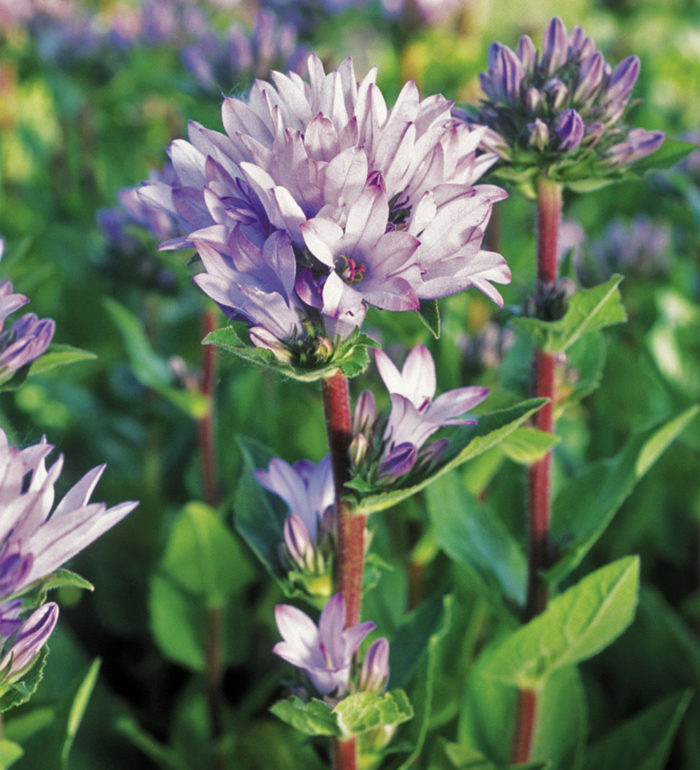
[
  {"x": 466, "y": 442},
  {"x": 643, "y": 742},
  {"x": 429, "y": 314},
  {"x": 528, "y": 445},
  {"x": 575, "y": 626},
  {"x": 64, "y": 578},
  {"x": 10, "y": 752},
  {"x": 364, "y": 711},
  {"x": 670, "y": 152},
  {"x": 588, "y": 311},
  {"x": 59, "y": 355},
  {"x": 77, "y": 708},
  {"x": 587, "y": 504},
  {"x": 478, "y": 541},
  {"x": 314, "y": 717}
]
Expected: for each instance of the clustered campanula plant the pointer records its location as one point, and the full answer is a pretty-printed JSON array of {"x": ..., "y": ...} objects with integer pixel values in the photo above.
[{"x": 386, "y": 446}]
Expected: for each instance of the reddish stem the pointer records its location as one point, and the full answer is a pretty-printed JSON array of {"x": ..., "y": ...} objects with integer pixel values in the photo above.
[
  {"x": 350, "y": 528},
  {"x": 524, "y": 726},
  {"x": 549, "y": 204},
  {"x": 206, "y": 424}
]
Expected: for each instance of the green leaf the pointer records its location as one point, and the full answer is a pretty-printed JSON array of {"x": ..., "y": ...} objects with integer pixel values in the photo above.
[
  {"x": 77, "y": 708},
  {"x": 259, "y": 518},
  {"x": 59, "y": 355},
  {"x": 22, "y": 691},
  {"x": 643, "y": 742},
  {"x": 429, "y": 314},
  {"x": 414, "y": 633},
  {"x": 350, "y": 355},
  {"x": 466, "y": 758},
  {"x": 203, "y": 557},
  {"x": 588, "y": 311},
  {"x": 575, "y": 626},
  {"x": 313, "y": 718},
  {"x": 148, "y": 368},
  {"x": 10, "y": 752},
  {"x": 528, "y": 445},
  {"x": 670, "y": 152},
  {"x": 162, "y": 756},
  {"x": 584, "y": 370},
  {"x": 466, "y": 442},
  {"x": 588, "y": 503},
  {"x": 422, "y": 692},
  {"x": 364, "y": 711},
  {"x": 477, "y": 540},
  {"x": 64, "y": 578},
  {"x": 193, "y": 403}
]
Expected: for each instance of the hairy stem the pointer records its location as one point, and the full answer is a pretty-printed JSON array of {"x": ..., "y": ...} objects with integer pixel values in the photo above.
[
  {"x": 206, "y": 424},
  {"x": 549, "y": 204},
  {"x": 350, "y": 528}
]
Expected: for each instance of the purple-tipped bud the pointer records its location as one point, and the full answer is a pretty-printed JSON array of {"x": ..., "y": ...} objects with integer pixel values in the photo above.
[
  {"x": 557, "y": 93},
  {"x": 539, "y": 134},
  {"x": 527, "y": 53},
  {"x": 638, "y": 145},
  {"x": 534, "y": 100},
  {"x": 506, "y": 72},
  {"x": 365, "y": 413},
  {"x": 570, "y": 130},
  {"x": 622, "y": 80},
  {"x": 398, "y": 462},
  {"x": 580, "y": 45},
  {"x": 555, "y": 48},
  {"x": 359, "y": 446},
  {"x": 263, "y": 338},
  {"x": 27, "y": 644},
  {"x": 592, "y": 133},
  {"x": 430, "y": 456},
  {"x": 590, "y": 76},
  {"x": 298, "y": 543},
  {"x": 375, "y": 667}
]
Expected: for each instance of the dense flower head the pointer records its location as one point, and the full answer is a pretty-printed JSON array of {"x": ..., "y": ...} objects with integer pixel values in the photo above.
[
  {"x": 319, "y": 201},
  {"x": 34, "y": 540},
  {"x": 324, "y": 652},
  {"x": 386, "y": 448},
  {"x": 560, "y": 105},
  {"x": 27, "y": 338}
]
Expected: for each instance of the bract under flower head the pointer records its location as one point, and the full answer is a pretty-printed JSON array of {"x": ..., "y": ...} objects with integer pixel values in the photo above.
[
  {"x": 561, "y": 109},
  {"x": 34, "y": 540},
  {"x": 323, "y": 652},
  {"x": 377, "y": 206}
]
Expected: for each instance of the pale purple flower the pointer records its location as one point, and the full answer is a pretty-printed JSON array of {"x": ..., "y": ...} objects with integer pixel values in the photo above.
[
  {"x": 386, "y": 448},
  {"x": 34, "y": 540},
  {"x": 378, "y": 205},
  {"x": 26, "y": 644},
  {"x": 307, "y": 488},
  {"x": 565, "y": 101},
  {"x": 27, "y": 338},
  {"x": 324, "y": 652},
  {"x": 375, "y": 667}
]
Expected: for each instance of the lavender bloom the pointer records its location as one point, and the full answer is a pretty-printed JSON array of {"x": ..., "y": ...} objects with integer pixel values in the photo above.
[
  {"x": 307, "y": 488},
  {"x": 376, "y": 205},
  {"x": 375, "y": 667},
  {"x": 564, "y": 104},
  {"x": 34, "y": 542},
  {"x": 27, "y": 643},
  {"x": 26, "y": 339},
  {"x": 393, "y": 446},
  {"x": 325, "y": 652}
]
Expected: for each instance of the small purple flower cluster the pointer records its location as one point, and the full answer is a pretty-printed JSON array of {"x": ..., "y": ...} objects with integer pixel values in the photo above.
[
  {"x": 35, "y": 542},
  {"x": 325, "y": 652},
  {"x": 384, "y": 449},
  {"x": 27, "y": 338},
  {"x": 561, "y": 100},
  {"x": 319, "y": 201}
]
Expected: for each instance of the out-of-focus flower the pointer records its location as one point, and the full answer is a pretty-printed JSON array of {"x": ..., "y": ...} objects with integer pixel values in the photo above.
[
  {"x": 323, "y": 652},
  {"x": 392, "y": 447},
  {"x": 27, "y": 338},
  {"x": 218, "y": 64},
  {"x": 26, "y": 644},
  {"x": 376, "y": 206},
  {"x": 561, "y": 109},
  {"x": 375, "y": 667},
  {"x": 34, "y": 541}
]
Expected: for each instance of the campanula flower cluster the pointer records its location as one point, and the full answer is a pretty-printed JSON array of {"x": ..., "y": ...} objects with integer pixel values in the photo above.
[
  {"x": 563, "y": 107},
  {"x": 318, "y": 201}
]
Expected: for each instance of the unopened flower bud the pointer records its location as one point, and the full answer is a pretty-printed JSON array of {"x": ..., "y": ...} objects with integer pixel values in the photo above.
[
  {"x": 375, "y": 667},
  {"x": 534, "y": 100},
  {"x": 589, "y": 78},
  {"x": 555, "y": 48},
  {"x": 298, "y": 543},
  {"x": 557, "y": 93},
  {"x": 623, "y": 79},
  {"x": 539, "y": 134},
  {"x": 263, "y": 338},
  {"x": 570, "y": 130},
  {"x": 365, "y": 413},
  {"x": 527, "y": 53},
  {"x": 30, "y": 638},
  {"x": 398, "y": 462},
  {"x": 358, "y": 449}
]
